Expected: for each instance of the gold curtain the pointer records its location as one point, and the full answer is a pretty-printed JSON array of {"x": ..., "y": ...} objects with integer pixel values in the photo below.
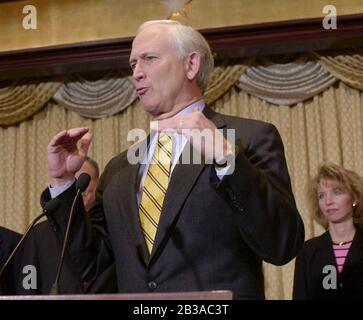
[
  {"x": 345, "y": 65},
  {"x": 97, "y": 98},
  {"x": 22, "y": 99},
  {"x": 224, "y": 77},
  {"x": 286, "y": 83}
]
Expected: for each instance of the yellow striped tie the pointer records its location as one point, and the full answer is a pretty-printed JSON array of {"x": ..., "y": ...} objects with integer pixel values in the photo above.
[{"x": 155, "y": 186}]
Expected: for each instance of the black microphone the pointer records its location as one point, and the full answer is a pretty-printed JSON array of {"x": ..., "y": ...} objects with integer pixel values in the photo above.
[
  {"x": 81, "y": 185},
  {"x": 48, "y": 208}
]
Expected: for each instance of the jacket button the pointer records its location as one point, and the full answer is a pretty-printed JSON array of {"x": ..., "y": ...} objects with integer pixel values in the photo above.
[{"x": 152, "y": 285}]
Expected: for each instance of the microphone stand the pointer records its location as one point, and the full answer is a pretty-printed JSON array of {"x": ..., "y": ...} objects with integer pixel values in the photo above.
[
  {"x": 81, "y": 185},
  {"x": 55, "y": 286}
]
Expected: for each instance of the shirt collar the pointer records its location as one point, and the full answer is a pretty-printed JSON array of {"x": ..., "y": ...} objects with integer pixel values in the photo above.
[{"x": 197, "y": 105}]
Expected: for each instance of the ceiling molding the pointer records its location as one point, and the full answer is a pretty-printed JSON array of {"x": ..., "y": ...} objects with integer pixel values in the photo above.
[{"x": 230, "y": 42}]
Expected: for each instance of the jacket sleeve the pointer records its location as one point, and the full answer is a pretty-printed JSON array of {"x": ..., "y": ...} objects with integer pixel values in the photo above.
[
  {"x": 259, "y": 191},
  {"x": 88, "y": 250}
]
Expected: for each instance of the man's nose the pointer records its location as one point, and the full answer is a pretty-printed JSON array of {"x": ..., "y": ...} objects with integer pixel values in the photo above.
[{"x": 138, "y": 73}]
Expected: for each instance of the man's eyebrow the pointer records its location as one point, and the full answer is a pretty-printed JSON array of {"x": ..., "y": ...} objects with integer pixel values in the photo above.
[
  {"x": 135, "y": 59},
  {"x": 141, "y": 56}
]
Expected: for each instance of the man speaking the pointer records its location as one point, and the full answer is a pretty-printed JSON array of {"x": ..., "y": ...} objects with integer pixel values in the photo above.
[{"x": 172, "y": 225}]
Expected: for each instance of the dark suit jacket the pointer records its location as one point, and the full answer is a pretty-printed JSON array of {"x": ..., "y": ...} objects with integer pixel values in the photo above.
[
  {"x": 42, "y": 249},
  {"x": 318, "y": 253},
  {"x": 8, "y": 241},
  {"x": 212, "y": 234}
]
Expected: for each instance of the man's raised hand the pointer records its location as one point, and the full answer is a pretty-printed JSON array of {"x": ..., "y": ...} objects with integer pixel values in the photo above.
[{"x": 66, "y": 156}]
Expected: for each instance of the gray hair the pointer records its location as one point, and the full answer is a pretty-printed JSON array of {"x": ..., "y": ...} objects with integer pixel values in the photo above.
[{"x": 186, "y": 40}]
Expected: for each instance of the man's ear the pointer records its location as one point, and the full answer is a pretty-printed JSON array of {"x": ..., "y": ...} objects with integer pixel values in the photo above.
[{"x": 192, "y": 65}]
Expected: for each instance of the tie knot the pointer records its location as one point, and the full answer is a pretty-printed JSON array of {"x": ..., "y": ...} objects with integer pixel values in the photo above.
[
  {"x": 165, "y": 138},
  {"x": 163, "y": 149}
]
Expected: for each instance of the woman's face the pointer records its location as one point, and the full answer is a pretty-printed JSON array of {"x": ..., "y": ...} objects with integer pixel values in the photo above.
[{"x": 335, "y": 202}]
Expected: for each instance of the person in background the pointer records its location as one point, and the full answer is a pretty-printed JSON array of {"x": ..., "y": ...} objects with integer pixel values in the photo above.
[
  {"x": 330, "y": 266},
  {"x": 90, "y": 167},
  {"x": 43, "y": 251},
  {"x": 8, "y": 241}
]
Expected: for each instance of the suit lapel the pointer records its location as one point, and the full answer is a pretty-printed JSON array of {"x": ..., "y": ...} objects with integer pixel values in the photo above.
[
  {"x": 215, "y": 117},
  {"x": 183, "y": 178},
  {"x": 324, "y": 251},
  {"x": 354, "y": 253},
  {"x": 127, "y": 186}
]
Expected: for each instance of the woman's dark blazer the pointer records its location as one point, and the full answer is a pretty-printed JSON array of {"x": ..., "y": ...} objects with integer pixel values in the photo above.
[{"x": 317, "y": 254}]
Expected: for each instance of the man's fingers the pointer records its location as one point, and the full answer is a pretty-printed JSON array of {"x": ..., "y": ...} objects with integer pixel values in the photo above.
[
  {"x": 58, "y": 137},
  {"x": 85, "y": 143},
  {"x": 77, "y": 133},
  {"x": 67, "y": 136}
]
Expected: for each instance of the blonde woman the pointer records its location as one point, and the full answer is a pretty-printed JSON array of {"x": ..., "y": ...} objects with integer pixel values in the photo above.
[{"x": 330, "y": 266}]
